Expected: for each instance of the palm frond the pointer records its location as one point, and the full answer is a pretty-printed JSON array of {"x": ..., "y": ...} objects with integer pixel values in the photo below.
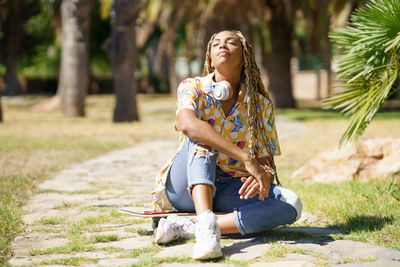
[{"x": 368, "y": 64}]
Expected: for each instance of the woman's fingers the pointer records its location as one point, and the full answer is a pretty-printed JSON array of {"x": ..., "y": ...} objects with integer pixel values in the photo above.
[
  {"x": 252, "y": 191},
  {"x": 254, "y": 182},
  {"x": 246, "y": 183}
]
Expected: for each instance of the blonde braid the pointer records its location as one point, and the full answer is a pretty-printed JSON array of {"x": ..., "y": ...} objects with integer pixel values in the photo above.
[{"x": 254, "y": 86}]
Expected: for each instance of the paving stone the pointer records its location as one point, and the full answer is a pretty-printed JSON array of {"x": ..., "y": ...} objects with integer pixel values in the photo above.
[
  {"x": 35, "y": 235},
  {"x": 127, "y": 243},
  {"x": 174, "y": 264},
  {"x": 30, "y": 218},
  {"x": 33, "y": 260},
  {"x": 245, "y": 250},
  {"x": 68, "y": 186},
  {"x": 117, "y": 262},
  {"x": 283, "y": 264},
  {"x": 86, "y": 214},
  {"x": 378, "y": 263},
  {"x": 120, "y": 234},
  {"x": 113, "y": 202},
  {"x": 300, "y": 257},
  {"x": 315, "y": 231},
  {"x": 346, "y": 249},
  {"x": 22, "y": 246},
  {"x": 183, "y": 250},
  {"x": 53, "y": 200}
]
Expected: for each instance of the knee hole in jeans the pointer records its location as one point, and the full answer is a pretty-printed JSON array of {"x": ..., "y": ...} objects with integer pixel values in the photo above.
[{"x": 203, "y": 150}]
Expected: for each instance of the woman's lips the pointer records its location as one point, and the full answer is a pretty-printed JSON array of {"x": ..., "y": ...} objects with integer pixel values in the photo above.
[{"x": 223, "y": 53}]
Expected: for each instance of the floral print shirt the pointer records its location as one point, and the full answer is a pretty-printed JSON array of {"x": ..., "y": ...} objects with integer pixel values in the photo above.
[{"x": 196, "y": 94}]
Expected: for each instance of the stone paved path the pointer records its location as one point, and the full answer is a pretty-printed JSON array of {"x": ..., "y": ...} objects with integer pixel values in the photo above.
[{"x": 73, "y": 220}]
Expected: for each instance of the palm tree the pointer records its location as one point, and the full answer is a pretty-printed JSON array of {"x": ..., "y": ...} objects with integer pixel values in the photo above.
[
  {"x": 280, "y": 26},
  {"x": 123, "y": 55},
  {"x": 74, "y": 72},
  {"x": 368, "y": 65}
]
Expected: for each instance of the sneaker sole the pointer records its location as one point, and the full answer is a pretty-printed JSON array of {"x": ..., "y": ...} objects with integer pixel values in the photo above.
[
  {"x": 209, "y": 255},
  {"x": 159, "y": 235}
]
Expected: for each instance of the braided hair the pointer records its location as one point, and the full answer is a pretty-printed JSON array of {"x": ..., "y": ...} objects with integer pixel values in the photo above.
[{"x": 250, "y": 75}]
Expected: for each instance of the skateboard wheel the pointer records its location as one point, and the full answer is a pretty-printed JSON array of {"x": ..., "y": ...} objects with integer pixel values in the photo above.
[{"x": 154, "y": 225}]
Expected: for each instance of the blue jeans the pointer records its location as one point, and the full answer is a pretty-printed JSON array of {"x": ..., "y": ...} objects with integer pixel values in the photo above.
[{"x": 251, "y": 215}]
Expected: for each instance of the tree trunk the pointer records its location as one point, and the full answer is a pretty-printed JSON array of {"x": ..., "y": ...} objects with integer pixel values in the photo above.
[
  {"x": 1, "y": 111},
  {"x": 278, "y": 60},
  {"x": 13, "y": 54},
  {"x": 74, "y": 71},
  {"x": 123, "y": 55}
]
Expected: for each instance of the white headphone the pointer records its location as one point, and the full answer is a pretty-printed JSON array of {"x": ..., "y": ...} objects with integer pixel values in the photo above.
[{"x": 222, "y": 90}]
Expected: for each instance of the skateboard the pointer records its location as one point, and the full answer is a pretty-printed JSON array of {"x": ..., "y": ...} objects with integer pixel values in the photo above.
[{"x": 154, "y": 215}]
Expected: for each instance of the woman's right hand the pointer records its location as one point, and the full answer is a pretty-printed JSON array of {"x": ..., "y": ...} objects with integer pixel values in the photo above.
[{"x": 263, "y": 179}]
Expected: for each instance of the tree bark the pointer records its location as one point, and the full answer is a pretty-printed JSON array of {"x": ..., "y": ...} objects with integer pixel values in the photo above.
[
  {"x": 278, "y": 60},
  {"x": 74, "y": 71},
  {"x": 15, "y": 33},
  {"x": 123, "y": 55},
  {"x": 1, "y": 111}
]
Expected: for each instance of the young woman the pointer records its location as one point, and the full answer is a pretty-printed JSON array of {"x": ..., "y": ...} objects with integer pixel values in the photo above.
[{"x": 225, "y": 161}]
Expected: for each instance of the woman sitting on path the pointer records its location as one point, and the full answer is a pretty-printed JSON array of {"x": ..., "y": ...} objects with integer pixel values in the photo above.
[{"x": 228, "y": 141}]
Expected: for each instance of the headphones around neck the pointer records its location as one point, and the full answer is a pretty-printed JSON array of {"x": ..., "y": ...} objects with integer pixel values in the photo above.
[{"x": 223, "y": 91}]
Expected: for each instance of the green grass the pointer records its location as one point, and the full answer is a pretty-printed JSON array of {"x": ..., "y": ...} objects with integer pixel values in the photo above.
[
  {"x": 52, "y": 221},
  {"x": 278, "y": 251},
  {"x": 139, "y": 230},
  {"x": 105, "y": 238},
  {"x": 71, "y": 247}
]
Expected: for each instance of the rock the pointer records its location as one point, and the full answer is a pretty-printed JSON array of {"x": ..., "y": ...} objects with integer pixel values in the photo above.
[
  {"x": 379, "y": 157},
  {"x": 307, "y": 218},
  {"x": 387, "y": 166}
]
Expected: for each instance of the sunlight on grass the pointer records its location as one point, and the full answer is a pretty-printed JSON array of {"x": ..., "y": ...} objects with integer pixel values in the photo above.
[
  {"x": 278, "y": 251},
  {"x": 52, "y": 221},
  {"x": 105, "y": 238}
]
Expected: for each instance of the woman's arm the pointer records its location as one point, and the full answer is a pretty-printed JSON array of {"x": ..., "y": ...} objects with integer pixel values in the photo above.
[{"x": 201, "y": 131}]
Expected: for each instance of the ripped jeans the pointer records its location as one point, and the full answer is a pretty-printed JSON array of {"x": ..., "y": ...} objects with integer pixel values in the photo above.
[{"x": 251, "y": 215}]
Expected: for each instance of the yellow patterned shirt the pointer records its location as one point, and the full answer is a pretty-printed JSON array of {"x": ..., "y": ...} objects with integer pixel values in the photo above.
[{"x": 196, "y": 94}]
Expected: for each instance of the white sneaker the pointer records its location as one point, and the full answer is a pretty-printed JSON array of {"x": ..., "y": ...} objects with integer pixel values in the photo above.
[
  {"x": 207, "y": 237},
  {"x": 173, "y": 228}
]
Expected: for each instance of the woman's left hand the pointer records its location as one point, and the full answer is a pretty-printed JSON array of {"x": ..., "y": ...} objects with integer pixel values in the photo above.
[{"x": 251, "y": 187}]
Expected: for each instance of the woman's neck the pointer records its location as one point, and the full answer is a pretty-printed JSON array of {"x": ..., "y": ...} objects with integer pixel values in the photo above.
[{"x": 231, "y": 76}]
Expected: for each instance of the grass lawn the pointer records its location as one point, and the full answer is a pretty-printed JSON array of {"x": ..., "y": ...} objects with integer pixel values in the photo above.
[{"x": 34, "y": 146}]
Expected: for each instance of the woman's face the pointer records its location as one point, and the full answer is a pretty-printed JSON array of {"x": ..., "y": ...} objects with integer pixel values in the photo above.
[{"x": 226, "y": 51}]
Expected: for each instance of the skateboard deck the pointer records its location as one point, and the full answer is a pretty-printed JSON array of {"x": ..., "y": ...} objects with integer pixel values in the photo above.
[
  {"x": 156, "y": 215},
  {"x": 152, "y": 214}
]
